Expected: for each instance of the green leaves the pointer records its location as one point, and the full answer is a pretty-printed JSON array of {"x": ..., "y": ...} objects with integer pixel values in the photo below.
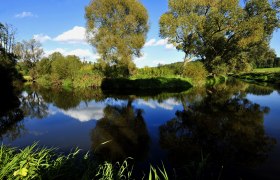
[
  {"x": 117, "y": 29},
  {"x": 217, "y": 29},
  {"x": 21, "y": 172}
]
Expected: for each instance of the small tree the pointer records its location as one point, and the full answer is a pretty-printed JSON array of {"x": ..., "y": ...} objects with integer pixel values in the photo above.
[
  {"x": 117, "y": 29},
  {"x": 29, "y": 52}
]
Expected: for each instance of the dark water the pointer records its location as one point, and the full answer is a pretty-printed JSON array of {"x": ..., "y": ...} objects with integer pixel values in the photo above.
[{"x": 229, "y": 131}]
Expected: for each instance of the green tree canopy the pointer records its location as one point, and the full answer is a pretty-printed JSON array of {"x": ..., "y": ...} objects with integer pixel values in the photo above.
[
  {"x": 117, "y": 29},
  {"x": 219, "y": 32}
]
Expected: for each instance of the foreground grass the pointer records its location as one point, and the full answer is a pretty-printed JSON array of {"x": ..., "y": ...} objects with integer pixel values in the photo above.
[{"x": 43, "y": 163}]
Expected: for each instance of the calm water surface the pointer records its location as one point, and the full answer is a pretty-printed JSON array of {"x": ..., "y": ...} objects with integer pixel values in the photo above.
[{"x": 234, "y": 127}]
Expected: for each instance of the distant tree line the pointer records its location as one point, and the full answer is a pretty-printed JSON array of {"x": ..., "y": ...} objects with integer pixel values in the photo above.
[{"x": 223, "y": 36}]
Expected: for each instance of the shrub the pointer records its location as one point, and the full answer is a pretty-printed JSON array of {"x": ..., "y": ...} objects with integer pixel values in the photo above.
[
  {"x": 44, "y": 80},
  {"x": 196, "y": 71},
  {"x": 67, "y": 83},
  {"x": 85, "y": 80}
]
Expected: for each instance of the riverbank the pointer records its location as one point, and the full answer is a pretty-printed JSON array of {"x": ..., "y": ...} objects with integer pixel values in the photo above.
[
  {"x": 154, "y": 84},
  {"x": 264, "y": 75}
]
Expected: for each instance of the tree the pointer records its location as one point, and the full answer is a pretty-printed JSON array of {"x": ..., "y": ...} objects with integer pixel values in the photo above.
[
  {"x": 65, "y": 67},
  {"x": 117, "y": 29},
  {"x": 8, "y": 72},
  {"x": 219, "y": 32},
  {"x": 29, "y": 52},
  {"x": 7, "y": 38}
]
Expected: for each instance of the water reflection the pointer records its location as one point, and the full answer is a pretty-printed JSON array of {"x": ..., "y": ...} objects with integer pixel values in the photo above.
[
  {"x": 67, "y": 99},
  {"x": 124, "y": 132},
  {"x": 224, "y": 125},
  {"x": 11, "y": 115},
  {"x": 223, "y": 122}
]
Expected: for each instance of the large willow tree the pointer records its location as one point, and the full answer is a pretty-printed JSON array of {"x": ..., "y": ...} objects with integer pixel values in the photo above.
[
  {"x": 117, "y": 29},
  {"x": 219, "y": 32}
]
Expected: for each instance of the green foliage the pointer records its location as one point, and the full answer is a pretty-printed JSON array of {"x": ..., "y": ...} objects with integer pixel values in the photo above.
[
  {"x": 68, "y": 72},
  {"x": 31, "y": 163},
  {"x": 261, "y": 76},
  {"x": 117, "y": 29},
  {"x": 266, "y": 70},
  {"x": 8, "y": 71},
  {"x": 29, "y": 53},
  {"x": 44, "y": 66},
  {"x": 221, "y": 33},
  {"x": 66, "y": 67},
  {"x": 86, "y": 80},
  {"x": 158, "y": 173},
  {"x": 43, "y": 163},
  {"x": 149, "y": 72},
  {"x": 67, "y": 83},
  {"x": 108, "y": 171},
  {"x": 44, "y": 80},
  {"x": 196, "y": 71},
  {"x": 170, "y": 84}
]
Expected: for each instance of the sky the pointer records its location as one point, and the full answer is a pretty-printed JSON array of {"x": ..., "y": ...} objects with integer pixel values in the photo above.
[{"x": 60, "y": 26}]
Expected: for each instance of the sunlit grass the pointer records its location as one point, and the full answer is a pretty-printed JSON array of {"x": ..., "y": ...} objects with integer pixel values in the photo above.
[
  {"x": 267, "y": 70},
  {"x": 33, "y": 162}
]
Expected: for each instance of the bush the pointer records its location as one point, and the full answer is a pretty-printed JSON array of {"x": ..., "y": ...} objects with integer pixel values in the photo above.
[
  {"x": 85, "y": 80},
  {"x": 196, "y": 71},
  {"x": 44, "y": 80},
  {"x": 67, "y": 83}
]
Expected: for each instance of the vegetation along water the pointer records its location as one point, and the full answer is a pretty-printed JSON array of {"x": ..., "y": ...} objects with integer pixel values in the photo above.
[{"x": 212, "y": 115}]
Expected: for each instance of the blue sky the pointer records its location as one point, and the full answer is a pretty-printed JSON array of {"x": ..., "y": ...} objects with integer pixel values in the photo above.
[{"x": 59, "y": 25}]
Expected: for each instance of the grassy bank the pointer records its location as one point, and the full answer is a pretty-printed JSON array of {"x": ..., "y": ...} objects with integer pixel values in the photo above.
[
  {"x": 267, "y": 75},
  {"x": 43, "y": 163},
  {"x": 161, "y": 83}
]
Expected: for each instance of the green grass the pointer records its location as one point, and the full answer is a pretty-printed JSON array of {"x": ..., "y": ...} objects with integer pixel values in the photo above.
[
  {"x": 31, "y": 163},
  {"x": 267, "y": 70},
  {"x": 266, "y": 75},
  {"x": 44, "y": 163}
]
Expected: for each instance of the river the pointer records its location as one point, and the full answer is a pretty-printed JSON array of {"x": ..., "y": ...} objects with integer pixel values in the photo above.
[{"x": 228, "y": 131}]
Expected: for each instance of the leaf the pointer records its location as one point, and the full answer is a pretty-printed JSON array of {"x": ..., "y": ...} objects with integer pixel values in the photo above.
[{"x": 21, "y": 172}]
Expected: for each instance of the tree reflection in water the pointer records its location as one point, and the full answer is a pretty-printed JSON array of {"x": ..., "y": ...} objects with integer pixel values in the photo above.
[
  {"x": 33, "y": 105},
  {"x": 10, "y": 115},
  {"x": 225, "y": 125},
  {"x": 124, "y": 132}
]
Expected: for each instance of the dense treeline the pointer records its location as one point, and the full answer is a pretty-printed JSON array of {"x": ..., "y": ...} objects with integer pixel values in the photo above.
[
  {"x": 68, "y": 71},
  {"x": 223, "y": 36}
]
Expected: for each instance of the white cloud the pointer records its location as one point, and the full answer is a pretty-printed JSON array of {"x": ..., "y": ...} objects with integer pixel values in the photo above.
[
  {"x": 25, "y": 14},
  {"x": 41, "y": 37},
  {"x": 168, "y": 104},
  {"x": 76, "y": 35},
  {"x": 82, "y": 53},
  {"x": 85, "y": 114},
  {"x": 151, "y": 42},
  {"x": 170, "y": 46},
  {"x": 161, "y": 42}
]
